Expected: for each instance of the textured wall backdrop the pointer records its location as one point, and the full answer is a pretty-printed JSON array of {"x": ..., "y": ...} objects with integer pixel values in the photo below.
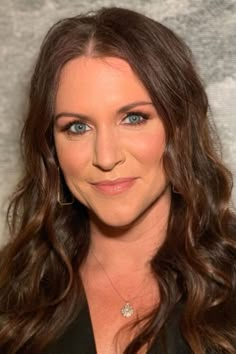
[{"x": 208, "y": 26}]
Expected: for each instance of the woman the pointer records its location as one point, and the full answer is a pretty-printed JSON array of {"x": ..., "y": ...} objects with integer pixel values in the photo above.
[{"x": 122, "y": 236}]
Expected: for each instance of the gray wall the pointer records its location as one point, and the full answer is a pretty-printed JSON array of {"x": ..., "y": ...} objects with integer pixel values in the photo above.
[{"x": 208, "y": 26}]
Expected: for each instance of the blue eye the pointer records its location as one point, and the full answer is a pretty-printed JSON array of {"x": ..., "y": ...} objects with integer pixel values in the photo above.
[
  {"x": 76, "y": 128},
  {"x": 135, "y": 118}
]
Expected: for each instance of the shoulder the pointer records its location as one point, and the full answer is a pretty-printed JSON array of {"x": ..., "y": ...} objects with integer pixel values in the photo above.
[
  {"x": 77, "y": 338},
  {"x": 170, "y": 339}
]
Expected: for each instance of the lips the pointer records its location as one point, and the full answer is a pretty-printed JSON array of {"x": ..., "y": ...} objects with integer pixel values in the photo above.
[
  {"x": 116, "y": 186},
  {"x": 114, "y": 182}
]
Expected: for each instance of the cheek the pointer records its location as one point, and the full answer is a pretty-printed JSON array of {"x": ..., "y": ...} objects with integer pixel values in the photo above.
[
  {"x": 72, "y": 156},
  {"x": 149, "y": 149}
]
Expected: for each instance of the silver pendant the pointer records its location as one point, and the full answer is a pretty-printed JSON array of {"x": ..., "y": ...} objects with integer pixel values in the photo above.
[{"x": 127, "y": 310}]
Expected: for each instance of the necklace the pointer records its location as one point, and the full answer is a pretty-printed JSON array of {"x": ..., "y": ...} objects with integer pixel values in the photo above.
[{"x": 127, "y": 310}]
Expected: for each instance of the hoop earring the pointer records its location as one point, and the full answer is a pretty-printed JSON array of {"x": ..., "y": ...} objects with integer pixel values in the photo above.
[
  {"x": 174, "y": 190},
  {"x": 60, "y": 191}
]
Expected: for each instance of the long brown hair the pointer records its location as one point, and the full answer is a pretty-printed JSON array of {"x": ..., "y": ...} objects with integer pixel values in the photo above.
[{"x": 39, "y": 284}]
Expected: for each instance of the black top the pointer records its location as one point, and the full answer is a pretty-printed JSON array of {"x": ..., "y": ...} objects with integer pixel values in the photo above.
[{"x": 79, "y": 337}]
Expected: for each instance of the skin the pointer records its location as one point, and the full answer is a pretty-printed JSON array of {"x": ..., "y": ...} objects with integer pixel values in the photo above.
[
  {"x": 111, "y": 147},
  {"x": 126, "y": 228}
]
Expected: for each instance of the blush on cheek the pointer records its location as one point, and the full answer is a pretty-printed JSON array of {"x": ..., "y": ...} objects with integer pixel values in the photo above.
[
  {"x": 150, "y": 149},
  {"x": 72, "y": 156}
]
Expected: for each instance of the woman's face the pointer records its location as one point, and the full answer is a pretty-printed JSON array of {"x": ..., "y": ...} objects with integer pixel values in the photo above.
[{"x": 106, "y": 129}]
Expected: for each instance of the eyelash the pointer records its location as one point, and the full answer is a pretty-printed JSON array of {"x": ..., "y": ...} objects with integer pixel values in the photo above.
[{"x": 67, "y": 127}]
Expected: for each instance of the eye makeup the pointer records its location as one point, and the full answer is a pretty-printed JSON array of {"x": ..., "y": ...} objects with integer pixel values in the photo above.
[{"x": 79, "y": 127}]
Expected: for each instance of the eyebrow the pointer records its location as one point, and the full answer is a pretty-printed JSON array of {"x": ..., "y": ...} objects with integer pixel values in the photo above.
[{"x": 121, "y": 110}]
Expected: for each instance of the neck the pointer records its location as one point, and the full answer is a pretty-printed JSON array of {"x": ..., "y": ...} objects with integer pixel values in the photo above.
[{"x": 132, "y": 247}]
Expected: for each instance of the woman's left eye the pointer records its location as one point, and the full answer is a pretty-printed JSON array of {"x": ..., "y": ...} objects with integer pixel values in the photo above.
[{"x": 135, "y": 118}]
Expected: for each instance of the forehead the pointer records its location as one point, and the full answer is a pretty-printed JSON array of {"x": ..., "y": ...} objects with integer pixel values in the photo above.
[
  {"x": 105, "y": 80},
  {"x": 112, "y": 66}
]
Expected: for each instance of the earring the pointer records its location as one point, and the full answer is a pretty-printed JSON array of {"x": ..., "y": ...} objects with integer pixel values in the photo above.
[
  {"x": 60, "y": 193},
  {"x": 174, "y": 190}
]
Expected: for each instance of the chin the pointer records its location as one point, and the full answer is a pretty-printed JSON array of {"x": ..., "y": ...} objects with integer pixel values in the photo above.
[{"x": 114, "y": 220}]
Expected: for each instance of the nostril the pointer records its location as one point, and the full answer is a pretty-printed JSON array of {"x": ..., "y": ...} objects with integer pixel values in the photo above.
[{"x": 107, "y": 152}]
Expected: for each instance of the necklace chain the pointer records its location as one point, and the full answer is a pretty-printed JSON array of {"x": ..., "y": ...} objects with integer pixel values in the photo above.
[{"x": 127, "y": 309}]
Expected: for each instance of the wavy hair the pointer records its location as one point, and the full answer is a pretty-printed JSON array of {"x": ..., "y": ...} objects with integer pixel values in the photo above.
[{"x": 39, "y": 287}]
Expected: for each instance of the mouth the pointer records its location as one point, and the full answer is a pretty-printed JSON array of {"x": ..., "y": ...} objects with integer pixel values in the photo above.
[{"x": 112, "y": 187}]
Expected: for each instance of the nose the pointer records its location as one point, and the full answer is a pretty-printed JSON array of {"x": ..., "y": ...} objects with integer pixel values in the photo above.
[{"x": 108, "y": 151}]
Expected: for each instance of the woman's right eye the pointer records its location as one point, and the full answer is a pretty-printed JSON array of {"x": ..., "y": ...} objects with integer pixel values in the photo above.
[{"x": 76, "y": 128}]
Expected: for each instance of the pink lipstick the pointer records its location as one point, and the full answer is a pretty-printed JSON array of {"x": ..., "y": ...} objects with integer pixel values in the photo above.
[{"x": 112, "y": 187}]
